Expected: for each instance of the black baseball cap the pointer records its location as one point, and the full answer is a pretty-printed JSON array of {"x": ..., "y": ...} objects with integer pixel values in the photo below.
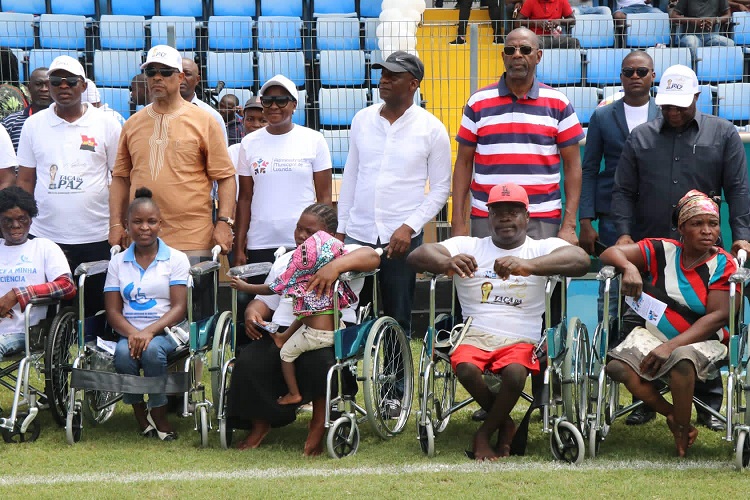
[{"x": 400, "y": 62}]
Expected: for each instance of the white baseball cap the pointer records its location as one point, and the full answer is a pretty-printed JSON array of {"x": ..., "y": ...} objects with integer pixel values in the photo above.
[
  {"x": 164, "y": 54},
  {"x": 677, "y": 87},
  {"x": 66, "y": 63},
  {"x": 280, "y": 81},
  {"x": 92, "y": 93}
]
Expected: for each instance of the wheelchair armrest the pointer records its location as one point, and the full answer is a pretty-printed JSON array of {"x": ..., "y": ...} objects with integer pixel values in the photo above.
[
  {"x": 249, "y": 270},
  {"x": 44, "y": 301},
  {"x": 606, "y": 273},
  {"x": 740, "y": 276},
  {"x": 206, "y": 267},
  {"x": 355, "y": 275},
  {"x": 92, "y": 268}
]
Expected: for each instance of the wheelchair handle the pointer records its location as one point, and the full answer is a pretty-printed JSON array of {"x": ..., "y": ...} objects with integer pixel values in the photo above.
[
  {"x": 215, "y": 251},
  {"x": 742, "y": 257},
  {"x": 606, "y": 273},
  {"x": 92, "y": 268},
  {"x": 249, "y": 270},
  {"x": 279, "y": 252},
  {"x": 114, "y": 250}
]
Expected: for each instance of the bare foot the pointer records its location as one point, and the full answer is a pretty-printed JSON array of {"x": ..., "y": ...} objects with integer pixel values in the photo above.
[
  {"x": 505, "y": 437},
  {"x": 314, "y": 442},
  {"x": 255, "y": 437},
  {"x": 684, "y": 436},
  {"x": 290, "y": 399},
  {"x": 482, "y": 448}
]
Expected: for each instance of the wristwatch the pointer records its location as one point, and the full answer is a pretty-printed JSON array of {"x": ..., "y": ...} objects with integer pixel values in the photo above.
[{"x": 228, "y": 220}]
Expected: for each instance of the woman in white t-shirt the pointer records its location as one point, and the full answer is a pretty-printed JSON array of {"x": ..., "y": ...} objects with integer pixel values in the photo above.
[
  {"x": 145, "y": 292},
  {"x": 282, "y": 169},
  {"x": 29, "y": 269}
]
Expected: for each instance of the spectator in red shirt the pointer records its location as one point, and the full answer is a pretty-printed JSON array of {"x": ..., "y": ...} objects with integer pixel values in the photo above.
[{"x": 549, "y": 19}]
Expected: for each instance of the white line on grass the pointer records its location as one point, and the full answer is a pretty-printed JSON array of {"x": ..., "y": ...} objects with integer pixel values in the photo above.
[{"x": 278, "y": 473}]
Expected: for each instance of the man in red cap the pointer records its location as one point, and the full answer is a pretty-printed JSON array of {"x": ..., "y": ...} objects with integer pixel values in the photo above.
[{"x": 501, "y": 287}]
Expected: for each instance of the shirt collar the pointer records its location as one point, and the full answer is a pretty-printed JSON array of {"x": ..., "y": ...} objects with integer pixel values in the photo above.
[
  {"x": 161, "y": 254},
  {"x": 55, "y": 120},
  {"x": 696, "y": 121},
  {"x": 504, "y": 91}
]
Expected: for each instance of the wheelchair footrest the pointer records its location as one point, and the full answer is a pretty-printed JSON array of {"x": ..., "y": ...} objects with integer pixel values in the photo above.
[{"x": 171, "y": 383}]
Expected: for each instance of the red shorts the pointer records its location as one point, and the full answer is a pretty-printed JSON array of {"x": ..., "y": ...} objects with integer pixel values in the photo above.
[{"x": 496, "y": 360}]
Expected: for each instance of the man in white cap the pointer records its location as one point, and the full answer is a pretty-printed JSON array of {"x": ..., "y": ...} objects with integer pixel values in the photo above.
[
  {"x": 65, "y": 155},
  {"x": 93, "y": 97},
  {"x": 177, "y": 150},
  {"x": 665, "y": 158}
]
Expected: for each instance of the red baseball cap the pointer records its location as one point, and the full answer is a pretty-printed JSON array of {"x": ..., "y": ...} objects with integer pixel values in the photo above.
[{"x": 508, "y": 193}]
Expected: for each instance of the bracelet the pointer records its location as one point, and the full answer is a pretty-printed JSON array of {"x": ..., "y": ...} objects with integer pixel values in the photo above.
[{"x": 115, "y": 225}]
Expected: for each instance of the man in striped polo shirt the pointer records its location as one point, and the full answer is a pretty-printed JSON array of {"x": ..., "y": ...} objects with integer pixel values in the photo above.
[{"x": 519, "y": 130}]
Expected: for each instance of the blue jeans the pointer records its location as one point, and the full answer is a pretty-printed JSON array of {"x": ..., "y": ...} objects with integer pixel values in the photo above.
[
  {"x": 638, "y": 9},
  {"x": 695, "y": 40},
  {"x": 153, "y": 361},
  {"x": 585, "y": 10},
  {"x": 608, "y": 236},
  {"x": 11, "y": 343}
]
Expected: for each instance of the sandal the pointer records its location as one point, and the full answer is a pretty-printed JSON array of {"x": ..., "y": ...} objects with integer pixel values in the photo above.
[{"x": 163, "y": 436}]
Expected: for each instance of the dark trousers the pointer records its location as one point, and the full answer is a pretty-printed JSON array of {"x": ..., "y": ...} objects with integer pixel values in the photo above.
[
  {"x": 88, "y": 252},
  {"x": 464, "y": 11}
]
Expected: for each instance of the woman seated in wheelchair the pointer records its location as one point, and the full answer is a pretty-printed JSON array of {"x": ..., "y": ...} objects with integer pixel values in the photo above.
[
  {"x": 501, "y": 286},
  {"x": 146, "y": 291},
  {"x": 259, "y": 375},
  {"x": 691, "y": 277},
  {"x": 29, "y": 269}
]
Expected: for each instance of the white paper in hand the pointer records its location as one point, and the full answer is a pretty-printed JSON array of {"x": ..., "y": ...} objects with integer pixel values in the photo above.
[{"x": 647, "y": 307}]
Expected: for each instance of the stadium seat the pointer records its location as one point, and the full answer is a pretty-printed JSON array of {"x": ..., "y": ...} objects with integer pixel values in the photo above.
[
  {"x": 16, "y": 30},
  {"x": 594, "y": 30},
  {"x": 300, "y": 114},
  {"x": 122, "y": 32},
  {"x": 235, "y": 69},
  {"x": 115, "y": 68},
  {"x": 184, "y": 30},
  {"x": 334, "y": 7},
  {"x": 279, "y": 33},
  {"x": 117, "y": 99},
  {"x": 186, "y": 8},
  {"x": 234, "y": 8},
  {"x": 371, "y": 37},
  {"x": 719, "y": 64},
  {"x": 734, "y": 101},
  {"x": 289, "y": 64},
  {"x": 338, "y": 143},
  {"x": 603, "y": 65},
  {"x": 647, "y": 30},
  {"x": 337, "y": 33},
  {"x": 375, "y": 56},
  {"x": 741, "y": 21},
  {"x": 44, "y": 57},
  {"x": 242, "y": 94},
  {"x": 664, "y": 57},
  {"x": 338, "y": 106},
  {"x": 342, "y": 67},
  {"x": 230, "y": 33},
  {"x": 289, "y": 8},
  {"x": 705, "y": 102},
  {"x": 24, "y": 6},
  {"x": 560, "y": 67},
  {"x": 62, "y": 31},
  {"x": 370, "y": 8},
  {"x": 610, "y": 91},
  {"x": 76, "y": 8},
  {"x": 584, "y": 101},
  {"x": 20, "y": 56},
  {"x": 145, "y": 8}
]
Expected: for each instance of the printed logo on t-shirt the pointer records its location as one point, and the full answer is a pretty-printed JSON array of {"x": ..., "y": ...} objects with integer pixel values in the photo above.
[
  {"x": 88, "y": 143},
  {"x": 17, "y": 272},
  {"x": 138, "y": 300},
  {"x": 509, "y": 292},
  {"x": 64, "y": 184},
  {"x": 259, "y": 166}
]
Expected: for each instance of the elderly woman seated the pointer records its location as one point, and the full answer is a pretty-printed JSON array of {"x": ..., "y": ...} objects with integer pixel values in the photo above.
[{"x": 691, "y": 277}]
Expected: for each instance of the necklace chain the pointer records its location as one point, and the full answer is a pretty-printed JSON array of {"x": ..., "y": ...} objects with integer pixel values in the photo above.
[{"x": 690, "y": 266}]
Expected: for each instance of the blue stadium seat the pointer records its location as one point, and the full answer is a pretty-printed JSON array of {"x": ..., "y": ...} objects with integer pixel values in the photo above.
[
  {"x": 594, "y": 30},
  {"x": 289, "y": 8},
  {"x": 719, "y": 64},
  {"x": 235, "y": 8},
  {"x": 117, "y": 99},
  {"x": 62, "y": 31},
  {"x": 338, "y": 106},
  {"x": 705, "y": 102},
  {"x": 230, "y": 32},
  {"x": 338, "y": 143},
  {"x": 289, "y": 64},
  {"x": 664, "y": 57},
  {"x": 188, "y": 8},
  {"x": 16, "y": 30},
  {"x": 646, "y": 30},
  {"x": 24, "y": 6},
  {"x": 44, "y": 57},
  {"x": 242, "y": 94},
  {"x": 184, "y": 30},
  {"x": 115, "y": 68},
  {"x": 375, "y": 56},
  {"x": 334, "y": 7},
  {"x": 122, "y": 32},
  {"x": 584, "y": 101},
  {"x": 235, "y": 69},
  {"x": 370, "y": 8},
  {"x": 371, "y": 37},
  {"x": 76, "y": 8},
  {"x": 337, "y": 33},
  {"x": 610, "y": 91},
  {"x": 734, "y": 101},
  {"x": 279, "y": 33},
  {"x": 145, "y": 8},
  {"x": 603, "y": 65},
  {"x": 741, "y": 22},
  {"x": 560, "y": 67},
  {"x": 20, "y": 56},
  {"x": 300, "y": 114},
  {"x": 342, "y": 67}
]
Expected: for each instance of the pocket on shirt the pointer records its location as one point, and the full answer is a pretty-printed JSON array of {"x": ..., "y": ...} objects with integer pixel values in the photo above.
[{"x": 187, "y": 153}]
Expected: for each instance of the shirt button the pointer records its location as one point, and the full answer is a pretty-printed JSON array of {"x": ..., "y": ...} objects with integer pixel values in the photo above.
[
  {"x": 674, "y": 206},
  {"x": 674, "y": 228},
  {"x": 676, "y": 158},
  {"x": 674, "y": 181}
]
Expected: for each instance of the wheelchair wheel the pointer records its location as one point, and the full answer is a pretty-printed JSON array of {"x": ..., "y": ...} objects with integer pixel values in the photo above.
[
  {"x": 570, "y": 448},
  {"x": 742, "y": 451},
  {"x": 58, "y": 357},
  {"x": 343, "y": 438},
  {"x": 439, "y": 395},
  {"x": 426, "y": 438},
  {"x": 98, "y": 406},
  {"x": 575, "y": 372},
  {"x": 594, "y": 439},
  {"x": 388, "y": 377},
  {"x": 73, "y": 426},
  {"x": 203, "y": 423},
  {"x": 226, "y": 433},
  {"x": 16, "y": 436},
  {"x": 220, "y": 353}
]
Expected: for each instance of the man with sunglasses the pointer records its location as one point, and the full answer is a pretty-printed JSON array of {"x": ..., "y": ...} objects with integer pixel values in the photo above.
[
  {"x": 38, "y": 86},
  {"x": 665, "y": 158}
]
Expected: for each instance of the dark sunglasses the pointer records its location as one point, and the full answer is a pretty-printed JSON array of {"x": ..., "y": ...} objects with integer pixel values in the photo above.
[
  {"x": 641, "y": 72},
  {"x": 280, "y": 100},
  {"x": 56, "y": 81},
  {"x": 165, "y": 72},
  {"x": 510, "y": 50}
]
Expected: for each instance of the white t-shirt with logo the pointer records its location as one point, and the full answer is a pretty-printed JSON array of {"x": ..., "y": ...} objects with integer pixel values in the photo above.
[
  {"x": 282, "y": 168},
  {"x": 73, "y": 163},
  {"x": 510, "y": 308},
  {"x": 35, "y": 262},
  {"x": 145, "y": 293}
]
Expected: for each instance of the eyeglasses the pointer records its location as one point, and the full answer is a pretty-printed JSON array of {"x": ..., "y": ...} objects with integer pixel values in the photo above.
[
  {"x": 56, "y": 81},
  {"x": 641, "y": 72},
  {"x": 280, "y": 100},
  {"x": 510, "y": 50},
  {"x": 8, "y": 222},
  {"x": 164, "y": 72}
]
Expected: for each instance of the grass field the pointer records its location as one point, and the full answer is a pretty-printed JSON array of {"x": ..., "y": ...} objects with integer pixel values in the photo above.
[{"x": 112, "y": 461}]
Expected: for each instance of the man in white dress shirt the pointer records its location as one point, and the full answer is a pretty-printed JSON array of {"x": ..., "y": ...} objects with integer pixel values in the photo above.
[{"x": 187, "y": 91}]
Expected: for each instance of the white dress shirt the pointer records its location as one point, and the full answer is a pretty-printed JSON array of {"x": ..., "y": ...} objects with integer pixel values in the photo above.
[
  {"x": 214, "y": 114},
  {"x": 387, "y": 170}
]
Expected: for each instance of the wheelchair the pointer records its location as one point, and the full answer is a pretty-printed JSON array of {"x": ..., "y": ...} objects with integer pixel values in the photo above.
[{"x": 563, "y": 393}]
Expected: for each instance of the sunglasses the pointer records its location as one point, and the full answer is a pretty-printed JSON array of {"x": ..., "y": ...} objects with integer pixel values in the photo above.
[
  {"x": 510, "y": 50},
  {"x": 280, "y": 100},
  {"x": 165, "y": 72},
  {"x": 56, "y": 81},
  {"x": 641, "y": 72}
]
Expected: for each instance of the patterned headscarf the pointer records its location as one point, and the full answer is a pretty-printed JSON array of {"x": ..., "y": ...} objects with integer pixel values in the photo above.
[{"x": 695, "y": 203}]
